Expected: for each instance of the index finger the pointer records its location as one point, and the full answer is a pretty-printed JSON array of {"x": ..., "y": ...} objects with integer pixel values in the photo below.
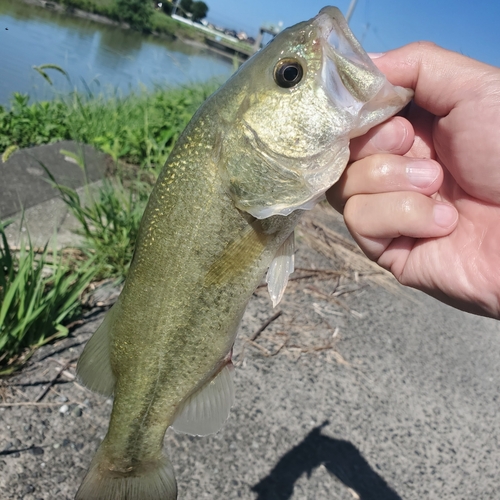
[{"x": 440, "y": 77}]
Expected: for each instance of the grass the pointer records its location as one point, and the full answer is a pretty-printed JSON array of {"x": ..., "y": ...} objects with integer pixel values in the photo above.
[
  {"x": 109, "y": 220},
  {"x": 140, "y": 128},
  {"x": 39, "y": 295}
]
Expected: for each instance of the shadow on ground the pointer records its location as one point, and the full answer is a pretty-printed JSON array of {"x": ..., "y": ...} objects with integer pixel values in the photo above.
[{"x": 341, "y": 458}]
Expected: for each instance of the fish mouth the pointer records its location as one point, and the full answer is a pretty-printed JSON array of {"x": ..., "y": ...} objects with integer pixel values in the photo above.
[{"x": 348, "y": 74}]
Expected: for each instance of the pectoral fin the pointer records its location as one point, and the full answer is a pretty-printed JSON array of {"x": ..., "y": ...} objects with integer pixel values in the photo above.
[
  {"x": 280, "y": 269},
  {"x": 206, "y": 410}
]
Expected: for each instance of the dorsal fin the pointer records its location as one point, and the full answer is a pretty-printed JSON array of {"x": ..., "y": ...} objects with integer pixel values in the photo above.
[{"x": 206, "y": 410}]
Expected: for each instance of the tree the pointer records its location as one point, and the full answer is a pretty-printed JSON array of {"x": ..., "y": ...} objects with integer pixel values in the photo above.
[
  {"x": 167, "y": 7},
  {"x": 199, "y": 10},
  {"x": 135, "y": 12},
  {"x": 186, "y": 6}
]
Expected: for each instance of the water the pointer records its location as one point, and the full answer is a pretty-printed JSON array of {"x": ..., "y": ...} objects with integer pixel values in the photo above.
[{"x": 93, "y": 54}]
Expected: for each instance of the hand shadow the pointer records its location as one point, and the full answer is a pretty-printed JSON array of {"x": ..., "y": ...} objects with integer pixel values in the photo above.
[{"x": 341, "y": 458}]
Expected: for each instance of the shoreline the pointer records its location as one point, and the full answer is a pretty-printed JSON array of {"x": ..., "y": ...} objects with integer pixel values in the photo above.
[
  {"x": 99, "y": 18},
  {"x": 83, "y": 14}
]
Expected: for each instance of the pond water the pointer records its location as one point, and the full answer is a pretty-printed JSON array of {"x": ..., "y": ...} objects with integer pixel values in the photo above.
[{"x": 95, "y": 56}]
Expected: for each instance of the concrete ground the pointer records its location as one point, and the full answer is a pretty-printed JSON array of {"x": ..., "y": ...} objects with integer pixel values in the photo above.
[
  {"x": 359, "y": 390},
  {"x": 27, "y": 194}
]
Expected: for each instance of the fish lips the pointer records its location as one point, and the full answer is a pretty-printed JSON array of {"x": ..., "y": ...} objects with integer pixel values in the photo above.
[{"x": 351, "y": 79}]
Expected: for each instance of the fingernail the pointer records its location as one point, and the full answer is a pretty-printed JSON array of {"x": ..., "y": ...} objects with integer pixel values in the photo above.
[
  {"x": 376, "y": 55},
  {"x": 390, "y": 137},
  {"x": 444, "y": 215},
  {"x": 422, "y": 173}
]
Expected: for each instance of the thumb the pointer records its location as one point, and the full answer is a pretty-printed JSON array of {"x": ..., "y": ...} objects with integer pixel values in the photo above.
[{"x": 440, "y": 78}]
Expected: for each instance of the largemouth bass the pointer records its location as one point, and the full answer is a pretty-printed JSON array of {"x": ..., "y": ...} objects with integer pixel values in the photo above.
[{"x": 262, "y": 149}]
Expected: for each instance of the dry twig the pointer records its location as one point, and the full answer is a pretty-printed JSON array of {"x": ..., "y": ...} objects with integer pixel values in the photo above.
[{"x": 265, "y": 325}]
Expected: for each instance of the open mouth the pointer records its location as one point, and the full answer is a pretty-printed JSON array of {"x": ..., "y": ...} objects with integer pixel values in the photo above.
[{"x": 349, "y": 75}]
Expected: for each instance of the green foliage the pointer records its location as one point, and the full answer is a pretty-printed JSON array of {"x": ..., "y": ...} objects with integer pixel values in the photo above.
[
  {"x": 165, "y": 25},
  {"x": 110, "y": 221},
  {"x": 135, "y": 12},
  {"x": 186, "y": 5},
  {"x": 140, "y": 128},
  {"x": 25, "y": 125},
  {"x": 38, "y": 296},
  {"x": 102, "y": 7},
  {"x": 199, "y": 10},
  {"x": 167, "y": 7}
]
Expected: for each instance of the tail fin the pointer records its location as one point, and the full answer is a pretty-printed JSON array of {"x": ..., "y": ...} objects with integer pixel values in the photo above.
[{"x": 154, "y": 480}]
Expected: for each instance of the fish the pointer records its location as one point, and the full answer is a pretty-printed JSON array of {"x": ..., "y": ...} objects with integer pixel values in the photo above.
[{"x": 259, "y": 152}]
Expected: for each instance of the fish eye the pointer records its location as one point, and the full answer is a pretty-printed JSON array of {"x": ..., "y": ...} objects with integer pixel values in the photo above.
[{"x": 288, "y": 72}]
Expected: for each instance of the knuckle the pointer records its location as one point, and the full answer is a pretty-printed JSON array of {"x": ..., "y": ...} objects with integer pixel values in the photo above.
[
  {"x": 351, "y": 209},
  {"x": 423, "y": 45}
]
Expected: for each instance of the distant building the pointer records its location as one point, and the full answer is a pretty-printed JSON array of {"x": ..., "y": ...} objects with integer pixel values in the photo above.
[{"x": 271, "y": 29}]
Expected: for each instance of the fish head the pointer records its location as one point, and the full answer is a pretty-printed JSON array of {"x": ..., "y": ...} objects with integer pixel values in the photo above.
[{"x": 299, "y": 102}]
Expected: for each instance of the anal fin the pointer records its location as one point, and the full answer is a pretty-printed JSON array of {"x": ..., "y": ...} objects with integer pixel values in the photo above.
[
  {"x": 280, "y": 269},
  {"x": 206, "y": 410}
]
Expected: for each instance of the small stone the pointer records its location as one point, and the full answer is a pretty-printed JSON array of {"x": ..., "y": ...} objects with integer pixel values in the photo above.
[
  {"x": 29, "y": 488},
  {"x": 62, "y": 399},
  {"x": 55, "y": 446},
  {"x": 64, "y": 409},
  {"x": 36, "y": 450},
  {"x": 77, "y": 411}
]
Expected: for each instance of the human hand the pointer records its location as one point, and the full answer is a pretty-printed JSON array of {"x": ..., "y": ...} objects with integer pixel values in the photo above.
[{"x": 422, "y": 196}]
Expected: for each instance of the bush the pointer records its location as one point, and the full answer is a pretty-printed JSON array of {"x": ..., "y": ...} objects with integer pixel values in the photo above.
[{"x": 137, "y": 13}]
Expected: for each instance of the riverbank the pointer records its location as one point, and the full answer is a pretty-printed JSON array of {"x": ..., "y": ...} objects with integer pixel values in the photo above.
[
  {"x": 139, "y": 128},
  {"x": 162, "y": 25},
  {"x": 91, "y": 16}
]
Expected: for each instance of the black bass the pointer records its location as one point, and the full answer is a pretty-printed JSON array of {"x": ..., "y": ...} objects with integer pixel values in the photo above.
[{"x": 263, "y": 148}]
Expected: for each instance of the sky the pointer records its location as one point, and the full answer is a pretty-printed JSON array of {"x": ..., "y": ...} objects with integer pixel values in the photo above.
[{"x": 471, "y": 28}]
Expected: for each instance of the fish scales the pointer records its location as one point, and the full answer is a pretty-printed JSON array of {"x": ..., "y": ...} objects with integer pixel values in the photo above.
[
  {"x": 262, "y": 149},
  {"x": 173, "y": 276}
]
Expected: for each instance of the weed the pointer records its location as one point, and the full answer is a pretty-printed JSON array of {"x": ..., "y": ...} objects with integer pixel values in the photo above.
[
  {"x": 140, "y": 128},
  {"x": 38, "y": 295},
  {"x": 109, "y": 220}
]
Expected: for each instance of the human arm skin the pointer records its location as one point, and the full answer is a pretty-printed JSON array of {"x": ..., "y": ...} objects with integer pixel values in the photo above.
[{"x": 422, "y": 196}]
